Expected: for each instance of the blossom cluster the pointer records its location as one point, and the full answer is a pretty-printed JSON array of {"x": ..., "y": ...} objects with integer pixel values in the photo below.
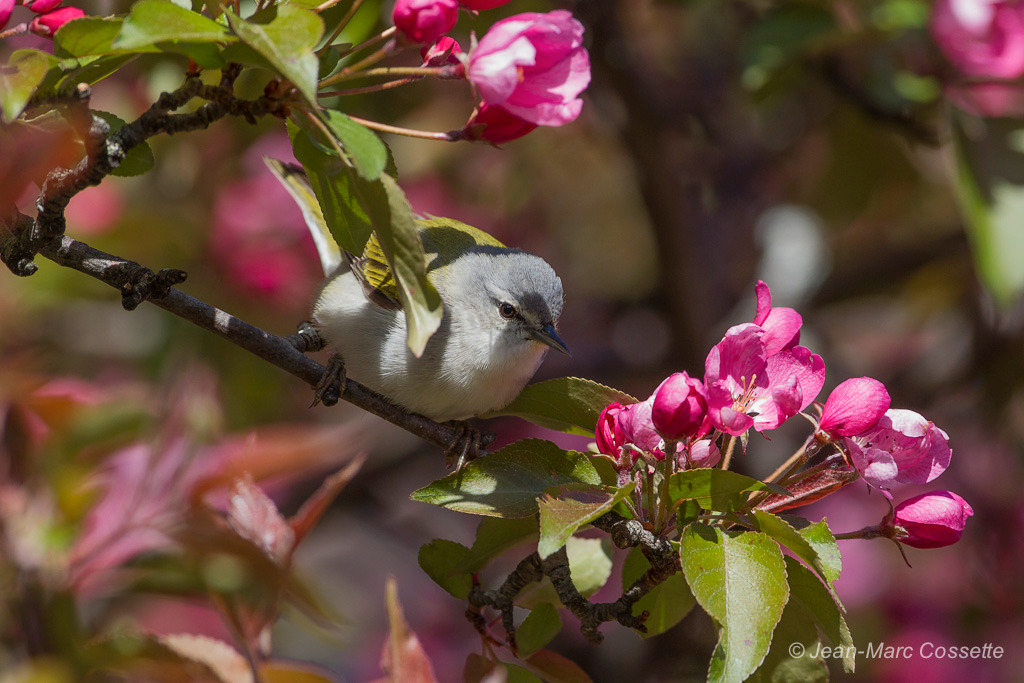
[
  {"x": 50, "y": 15},
  {"x": 984, "y": 41},
  {"x": 528, "y": 69},
  {"x": 757, "y": 378}
]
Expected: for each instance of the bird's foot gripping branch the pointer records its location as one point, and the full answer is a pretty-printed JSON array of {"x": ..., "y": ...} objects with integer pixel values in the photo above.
[{"x": 658, "y": 483}]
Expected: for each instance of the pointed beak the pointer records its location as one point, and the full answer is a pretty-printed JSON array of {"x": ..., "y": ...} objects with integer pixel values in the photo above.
[{"x": 547, "y": 335}]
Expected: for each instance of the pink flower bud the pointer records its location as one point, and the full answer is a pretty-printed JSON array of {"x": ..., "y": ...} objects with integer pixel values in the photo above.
[
  {"x": 610, "y": 438},
  {"x": 42, "y": 6},
  {"x": 445, "y": 51},
  {"x": 680, "y": 406},
  {"x": 424, "y": 21},
  {"x": 47, "y": 24},
  {"x": 482, "y": 4},
  {"x": 495, "y": 125},
  {"x": 534, "y": 66},
  {"x": 931, "y": 520},
  {"x": 854, "y": 407}
]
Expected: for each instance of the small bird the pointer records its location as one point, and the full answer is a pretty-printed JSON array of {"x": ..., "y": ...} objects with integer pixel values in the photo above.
[{"x": 501, "y": 310}]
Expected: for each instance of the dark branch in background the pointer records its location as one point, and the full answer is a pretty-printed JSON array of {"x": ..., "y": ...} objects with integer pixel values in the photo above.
[
  {"x": 625, "y": 533},
  {"x": 104, "y": 152}
]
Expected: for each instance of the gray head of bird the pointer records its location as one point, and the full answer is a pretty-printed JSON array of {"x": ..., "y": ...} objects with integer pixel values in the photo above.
[{"x": 502, "y": 299}]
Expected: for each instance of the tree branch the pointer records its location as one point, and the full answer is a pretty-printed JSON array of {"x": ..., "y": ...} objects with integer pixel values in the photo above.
[
  {"x": 625, "y": 533},
  {"x": 138, "y": 283}
]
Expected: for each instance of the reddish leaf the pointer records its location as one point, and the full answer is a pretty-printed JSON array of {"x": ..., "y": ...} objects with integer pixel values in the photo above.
[
  {"x": 403, "y": 659},
  {"x": 255, "y": 518},
  {"x": 315, "y": 506}
]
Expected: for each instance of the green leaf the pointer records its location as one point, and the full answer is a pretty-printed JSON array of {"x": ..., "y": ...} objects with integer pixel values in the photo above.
[
  {"x": 590, "y": 565},
  {"x": 989, "y": 155},
  {"x": 285, "y": 36},
  {"x": 442, "y": 560},
  {"x": 508, "y": 482},
  {"x": 538, "y": 629},
  {"x": 451, "y": 565},
  {"x": 818, "y": 601},
  {"x": 720, "y": 490},
  {"x": 172, "y": 28},
  {"x": 333, "y": 184},
  {"x": 92, "y": 36},
  {"x": 365, "y": 149},
  {"x": 494, "y": 536},
  {"x": 666, "y": 604},
  {"x": 139, "y": 158},
  {"x": 820, "y": 537},
  {"x": 784, "y": 533},
  {"x": 400, "y": 241},
  {"x": 89, "y": 70},
  {"x": 567, "y": 507},
  {"x": 565, "y": 404},
  {"x": 794, "y": 635},
  {"x": 25, "y": 70},
  {"x": 740, "y": 580}
]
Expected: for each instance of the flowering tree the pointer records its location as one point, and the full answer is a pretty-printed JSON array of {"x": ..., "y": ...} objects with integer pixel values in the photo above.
[{"x": 181, "y": 513}]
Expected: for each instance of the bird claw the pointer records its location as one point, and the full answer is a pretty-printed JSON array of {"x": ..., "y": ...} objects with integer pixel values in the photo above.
[
  {"x": 307, "y": 338},
  {"x": 467, "y": 445},
  {"x": 332, "y": 382}
]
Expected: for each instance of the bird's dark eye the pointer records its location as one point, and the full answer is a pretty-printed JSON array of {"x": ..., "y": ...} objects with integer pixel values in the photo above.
[{"x": 507, "y": 310}]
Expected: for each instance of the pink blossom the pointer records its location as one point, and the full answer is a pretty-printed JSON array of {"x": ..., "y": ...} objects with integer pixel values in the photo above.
[
  {"x": 445, "y": 50},
  {"x": 6, "y": 7},
  {"x": 854, "y": 407},
  {"x": 534, "y": 66},
  {"x": 703, "y": 453},
  {"x": 781, "y": 325},
  {"x": 478, "y": 5},
  {"x": 680, "y": 406},
  {"x": 610, "y": 437},
  {"x": 748, "y": 388},
  {"x": 42, "y": 6},
  {"x": 47, "y": 24},
  {"x": 637, "y": 427},
  {"x": 983, "y": 38},
  {"x": 493, "y": 124},
  {"x": 424, "y": 21},
  {"x": 902, "y": 448},
  {"x": 931, "y": 520}
]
